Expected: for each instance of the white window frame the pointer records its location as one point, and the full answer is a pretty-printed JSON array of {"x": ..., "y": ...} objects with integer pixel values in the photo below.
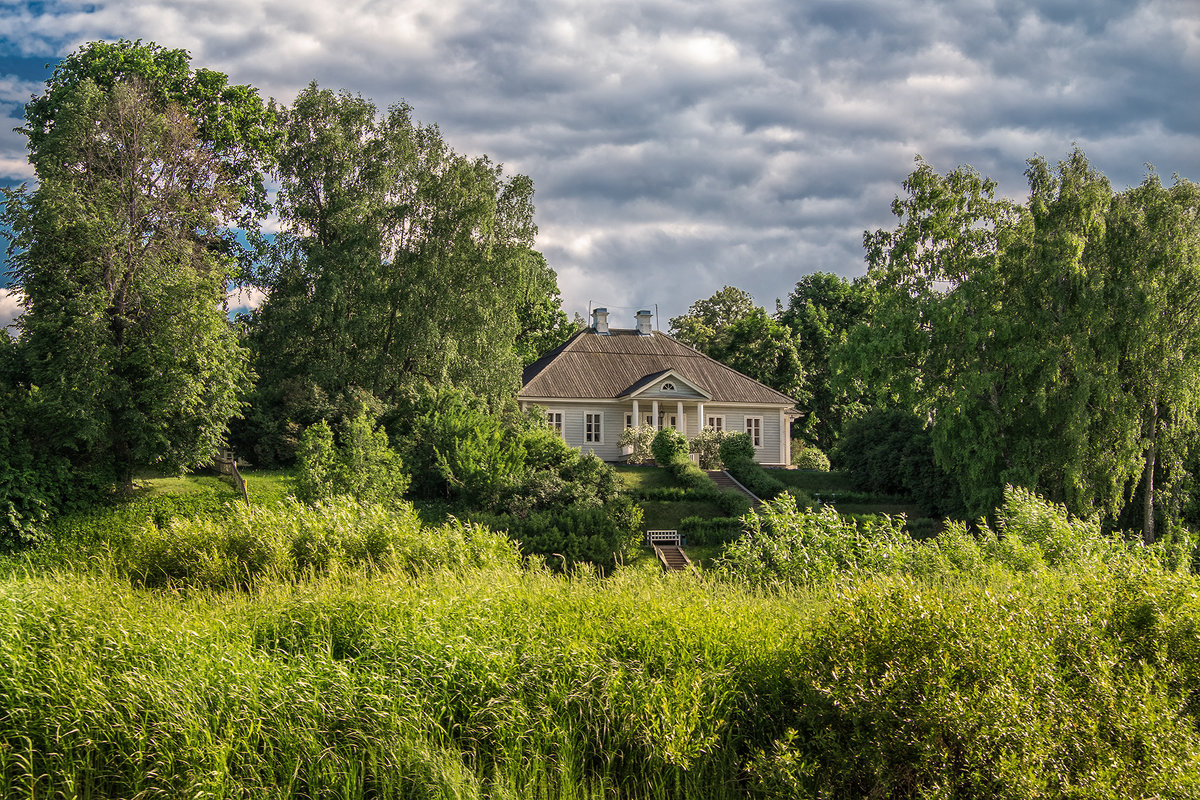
[
  {"x": 753, "y": 427},
  {"x": 555, "y": 420},
  {"x": 628, "y": 419},
  {"x": 593, "y": 427},
  {"x": 715, "y": 421}
]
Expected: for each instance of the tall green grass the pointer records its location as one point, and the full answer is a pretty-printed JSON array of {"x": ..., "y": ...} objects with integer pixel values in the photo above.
[
  {"x": 380, "y": 658},
  {"x": 503, "y": 683}
]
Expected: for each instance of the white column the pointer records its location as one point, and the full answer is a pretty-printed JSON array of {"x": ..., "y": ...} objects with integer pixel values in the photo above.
[
  {"x": 680, "y": 419},
  {"x": 654, "y": 411},
  {"x": 637, "y": 421},
  {"x": 785, "y": 439},
  {"x": 699, "y": 416}
]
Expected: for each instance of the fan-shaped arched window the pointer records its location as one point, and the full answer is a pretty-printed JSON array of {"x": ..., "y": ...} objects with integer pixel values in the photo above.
[{"x": 668, "y": 387}]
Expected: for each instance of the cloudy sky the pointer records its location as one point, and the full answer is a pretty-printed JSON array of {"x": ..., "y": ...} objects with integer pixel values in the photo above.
[{"x": 678, "y": 146}]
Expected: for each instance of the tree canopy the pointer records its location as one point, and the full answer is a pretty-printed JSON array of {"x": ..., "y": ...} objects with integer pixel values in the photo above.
[
  {"x": 400, "y": 263},
  {"x": 730, "y": 328},
  {"x": 1048, "y": 344},
  {"x": 124, "y": 342},
  {"x": 821, "y": 310}
]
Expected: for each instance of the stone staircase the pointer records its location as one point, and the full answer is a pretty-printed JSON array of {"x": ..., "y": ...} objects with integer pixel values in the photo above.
[
  {"x": 672, "y": 557},
  {"x": 725, "y": 481}
]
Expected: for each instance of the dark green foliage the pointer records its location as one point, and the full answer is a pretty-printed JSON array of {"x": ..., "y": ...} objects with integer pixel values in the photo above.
[
  {"x": 1050, "y": 343},
  {"x": 732, "y": 502},
  {"x": 731, "y": 329},
  {"x": 715, "y": 530},
  {"x": 402, "y": 264},
  {"x": 889, "y": 452},
  {"x": 514, "y": 471},
  {"x": 670, "y": 449},
  {"x": 568, "y": 536},
  {"x": 456, "y": 447},
  {"x": 737, "y": 447},
  {"x": 820, "y": 311},
  {"x": 737, "y": 452},
  {"x": 123, "y": 251}
]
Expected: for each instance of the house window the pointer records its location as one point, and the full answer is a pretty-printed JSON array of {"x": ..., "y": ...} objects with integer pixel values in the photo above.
[
  {"x": 628, "y": 420},
  {"x": 671, "y": 422},
  {"x": 668, "y": 387},
  {"x": 554, "y": 418},
  {"x": 716, "y": 422},
  {"x": 754, "y": 430},
  {"x": 591, "y": 428}
]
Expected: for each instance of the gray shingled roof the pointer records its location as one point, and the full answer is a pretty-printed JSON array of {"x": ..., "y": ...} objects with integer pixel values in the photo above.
[{"x": 598, "y": 366}]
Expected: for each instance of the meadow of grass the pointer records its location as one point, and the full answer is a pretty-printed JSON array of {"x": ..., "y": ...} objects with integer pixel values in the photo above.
[
  {"x": 511, "y": 683},
  {"x": 354, "y": 652}
]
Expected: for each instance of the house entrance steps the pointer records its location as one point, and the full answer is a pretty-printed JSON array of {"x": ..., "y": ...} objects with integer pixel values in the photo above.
[
  {"x": 726, "y": 481},
  {"x": 666, "y": 546}
]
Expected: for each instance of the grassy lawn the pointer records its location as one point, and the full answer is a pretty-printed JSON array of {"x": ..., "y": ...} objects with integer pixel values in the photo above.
[
  {"x": 638, "y": 477},
  {"x": 263, "y": 485},
  {"x": 811, "y": 480},
  {"x": 666, "y": 516}
]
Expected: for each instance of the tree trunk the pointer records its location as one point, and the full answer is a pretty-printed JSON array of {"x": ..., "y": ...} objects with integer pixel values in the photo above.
[{"x": 1148, "y": 482}]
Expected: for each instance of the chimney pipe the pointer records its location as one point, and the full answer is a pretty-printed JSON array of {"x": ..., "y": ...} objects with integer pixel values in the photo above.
[
  {"x": 645, "y": 325},
  {"x": 600, "y": 320}
]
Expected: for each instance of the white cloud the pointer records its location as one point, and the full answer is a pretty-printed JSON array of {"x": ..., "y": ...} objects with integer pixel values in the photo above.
[{"x": 10, "y": 309}]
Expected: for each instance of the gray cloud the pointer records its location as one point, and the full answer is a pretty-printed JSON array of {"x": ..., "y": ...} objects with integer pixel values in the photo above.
[{"x": 678, "y": 146}]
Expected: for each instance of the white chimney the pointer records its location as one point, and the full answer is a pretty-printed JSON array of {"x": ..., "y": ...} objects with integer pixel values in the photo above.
[
  {"x": 645, "y": 326},
  {"x": 600, "y": 320}
]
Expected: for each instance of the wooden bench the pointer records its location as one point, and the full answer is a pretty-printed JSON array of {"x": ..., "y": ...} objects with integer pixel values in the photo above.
[{"x": 662, "y": 537}]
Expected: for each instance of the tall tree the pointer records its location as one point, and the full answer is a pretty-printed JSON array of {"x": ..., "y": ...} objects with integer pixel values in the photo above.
[
  {"x": 821, "y": 310},
  {"x": 230, "y": 121},
  {"x": 709, "y": 318},
  {"x": 1050, "y": 345},
  {"x": 1154, "y": 305},
  {"x": 401, "y": 262},
  {"x": 729, "y": 327},
  {"x": 123, "y": 337}
]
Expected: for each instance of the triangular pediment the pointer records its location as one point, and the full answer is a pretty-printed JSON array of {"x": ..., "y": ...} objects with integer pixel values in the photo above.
[{"x": 667, "y": 384}]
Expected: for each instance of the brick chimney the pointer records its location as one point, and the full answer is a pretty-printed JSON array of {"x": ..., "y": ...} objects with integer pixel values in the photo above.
[
  {"x": 600, "y": 320},
  {"x": 645, "y": 325}
]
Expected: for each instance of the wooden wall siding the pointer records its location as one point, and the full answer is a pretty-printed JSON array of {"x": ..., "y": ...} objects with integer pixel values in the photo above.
[
  {"x": 605, "y": 367},
  {"x": 614, "y": 422}
]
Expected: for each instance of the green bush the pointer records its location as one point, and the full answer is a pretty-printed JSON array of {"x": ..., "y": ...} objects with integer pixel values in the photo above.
[
  {"x": 737, "y": 451},
  {"x": 707, "y": 445},
  {"x": 806, "y": 456},
  {"x": 733, "y": 503},
  {"x": 737, "y": 447},
  {"x": 890, "y": 452},
  {"x": 786, "y": 543},
  {"x": 717, "y": 530},
  {"x": 500, "y": 462},
  {"x": 363, "y": 466},
  {"x": 457, "y": 447},
  {"x": 668, "y": 447}
]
